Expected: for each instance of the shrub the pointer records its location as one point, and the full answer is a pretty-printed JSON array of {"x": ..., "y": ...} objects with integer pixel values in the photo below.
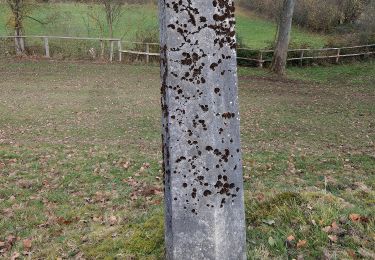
[
  {"x": 318, "y": 15},
  {"x": 143, "y": 35}
]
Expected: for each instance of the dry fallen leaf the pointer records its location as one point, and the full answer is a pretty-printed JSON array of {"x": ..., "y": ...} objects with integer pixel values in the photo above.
[
  {"x": 301, "y": 243},
  {"x": 133, "y": 196},
  {"x": 12, "y": 160},
  {"x": 63, "y": 221},
  {"x": 355, "y": 217},
  {"x": 27, "y": 244},
  {"x": 151, "y": 190},
  {"x": 333, "y": 238},
  {"x": 146, "y": 165},
  {"x": 126, "y": 165},
  {"x": 11, "y": 239},
  {"x": 112, "y": 220},
  {"x": 15, "y": 256},
  {"x": 351, "y": 253},
  {"x": 327, "y": 229},
  {"x": 97, "y": 219},
  {"x": 334, "y": 225}
]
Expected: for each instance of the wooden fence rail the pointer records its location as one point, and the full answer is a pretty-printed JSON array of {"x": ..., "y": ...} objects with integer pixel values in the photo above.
[
  {"x": 367, "y": 50},
  {"x": 47, "y": 47},
  {"x": 260, "y": 57}
]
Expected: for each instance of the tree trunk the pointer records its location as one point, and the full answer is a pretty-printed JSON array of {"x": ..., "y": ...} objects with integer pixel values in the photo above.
[
  {"x": 281, "y": 50},
  {"x": 110, "y": 30},
  {"x": 102, "y": 46},
  {"x": 17, "y": 10},
  {"x": 19, "y": 42},
  {"x": 204, "y": 203}
]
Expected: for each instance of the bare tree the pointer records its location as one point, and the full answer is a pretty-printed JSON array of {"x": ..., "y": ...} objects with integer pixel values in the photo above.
[
  {"x": 20, "y": 10},
  {"x": 113, "y": 11},
  {"x": 284, "y": 29}
]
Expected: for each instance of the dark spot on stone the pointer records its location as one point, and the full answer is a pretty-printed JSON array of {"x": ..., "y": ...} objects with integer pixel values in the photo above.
[
  {"x": 213, "y": 66},
  {"x": 180, "y": 159},
  {"x": 207, "y": 193},
  {"x": 228, "y": 115}
]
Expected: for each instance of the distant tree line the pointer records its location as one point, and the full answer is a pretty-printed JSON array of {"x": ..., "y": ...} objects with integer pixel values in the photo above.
[
  {"x": 317, "y": 15},
  {"x": 358, "y": 14}
]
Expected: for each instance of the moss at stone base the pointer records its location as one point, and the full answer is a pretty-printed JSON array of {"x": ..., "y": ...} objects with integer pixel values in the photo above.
[
  {"x": 147, "y": 238},
  {"x": 144, "y": 240}
]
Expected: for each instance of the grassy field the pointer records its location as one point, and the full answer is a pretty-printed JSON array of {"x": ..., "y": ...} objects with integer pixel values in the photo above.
[
  {"x": 80, "y": 172},
  {"x": 141, "y": 20}
]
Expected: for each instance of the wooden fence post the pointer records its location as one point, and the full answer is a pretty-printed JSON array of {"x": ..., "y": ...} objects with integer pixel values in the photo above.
[
  {"x": 111, "y": 51},
  {"x": 102, "y": 49},
  {"x": 119, "y": 47},
  {"x": 148, "y": 53},
  {"x": 46, "y": 47},
  {"x": 301, "y": 58},
  {"x": 367, "y": 55},
  {"x": 260, "y": 62},
  {"x": 338, "y": 55}
]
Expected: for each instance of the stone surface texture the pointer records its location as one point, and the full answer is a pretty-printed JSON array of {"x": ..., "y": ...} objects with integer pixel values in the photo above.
[{"x": 201, "y": 140}]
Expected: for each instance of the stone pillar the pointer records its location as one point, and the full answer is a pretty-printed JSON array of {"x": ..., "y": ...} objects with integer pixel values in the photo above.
[{"x": 204, "y": 202}]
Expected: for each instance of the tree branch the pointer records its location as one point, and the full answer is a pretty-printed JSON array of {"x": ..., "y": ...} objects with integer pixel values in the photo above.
[{"x": 39, "y": 21}]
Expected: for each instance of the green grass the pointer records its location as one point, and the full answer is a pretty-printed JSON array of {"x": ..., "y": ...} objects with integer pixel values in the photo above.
[
  {"x": 71, "y": 20},
  {"x": 259, "y": 33},
  {"x": 353, "y": 73},
  {"x": 80, "y": 160}
]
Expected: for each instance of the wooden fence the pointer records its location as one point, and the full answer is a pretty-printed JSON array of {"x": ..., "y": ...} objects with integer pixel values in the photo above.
[
  {"x": 263, "y": 56},
  {"x": 260, "y": 57},
  {"x": 257, "y": 57},
  {"x": 45, "y": 39},
  {"x": 146, "y": 52}
]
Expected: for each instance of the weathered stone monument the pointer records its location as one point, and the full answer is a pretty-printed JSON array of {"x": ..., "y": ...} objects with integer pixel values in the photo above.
[{"x": 201, "y": 138}]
